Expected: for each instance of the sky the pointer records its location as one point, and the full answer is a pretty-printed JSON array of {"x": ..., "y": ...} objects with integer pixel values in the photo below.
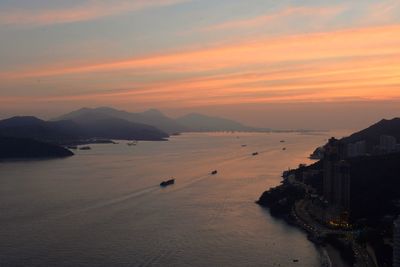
[{"x": 279, "y": 64}]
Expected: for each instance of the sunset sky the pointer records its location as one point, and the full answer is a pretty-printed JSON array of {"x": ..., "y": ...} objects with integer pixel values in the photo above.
[{"x": 281, "y": 64}]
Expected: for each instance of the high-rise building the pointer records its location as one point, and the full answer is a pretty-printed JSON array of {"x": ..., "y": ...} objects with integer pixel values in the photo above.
[
  {"x": 387, "y": 143},
  {"x": 341, "y": 186},
  {"x": 331, "y": 156},
  {"x": 336, "y": 184},
  {"x": 357, "y": 149},
  {"x": 396, "y": 243}
]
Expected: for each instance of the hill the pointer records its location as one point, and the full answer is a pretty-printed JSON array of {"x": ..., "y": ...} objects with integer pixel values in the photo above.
[
  {"x": 193, "y": 122},
  {"x": 20, "y": 148},
  {"x": 87, "y": 126},
  {"x": 372, "y": 134},
  {"x": 34, "y": 128},
  {"x": 114, "y": 128},
  {"x": 201, "y": 123},
  {"x": 150, "y": 117}
]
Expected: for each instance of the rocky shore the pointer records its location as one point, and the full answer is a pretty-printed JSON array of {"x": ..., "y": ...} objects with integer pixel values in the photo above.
[
  {"x": 291, "y": 201},
  {"x": 286, "y": 202}
]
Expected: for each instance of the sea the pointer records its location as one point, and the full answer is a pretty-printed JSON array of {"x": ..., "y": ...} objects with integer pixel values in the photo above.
[{"x": 105, "y": 207}]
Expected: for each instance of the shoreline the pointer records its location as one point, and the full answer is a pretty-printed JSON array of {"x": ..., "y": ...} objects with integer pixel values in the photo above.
[{"x": 329, "y": 255}]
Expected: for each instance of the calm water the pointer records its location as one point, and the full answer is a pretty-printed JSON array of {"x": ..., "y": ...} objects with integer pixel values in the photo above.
[{"x": 104, "y": 207}]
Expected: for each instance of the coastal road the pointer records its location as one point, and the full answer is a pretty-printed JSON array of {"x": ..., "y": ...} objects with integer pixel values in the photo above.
[{"x": 304, "y": 219}]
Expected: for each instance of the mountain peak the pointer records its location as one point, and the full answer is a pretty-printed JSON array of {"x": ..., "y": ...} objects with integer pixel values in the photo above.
[
  {"x": 106, "y": 109},
  {"x": 199, "y": 123},
  {"x": 153, "y": 112},
  {"x": 21, "y": 120},
  {"x": 83, "y": 109},
  {"x": 373, "y": 132}
]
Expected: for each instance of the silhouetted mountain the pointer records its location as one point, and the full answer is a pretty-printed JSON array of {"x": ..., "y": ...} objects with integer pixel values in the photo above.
[
  {"x": 372, "y": 134},
  {"x": 20, "y": 148},
  {"x": 87, "y": 126},
  {"x": 151, "y": 117},
  {"x": 20, "y": 121},
  {"x": 114, "y": 128},
  {"x": 156, "y": 118},
  {"x": 193, "y": 122},
  {"x": 202, "y": 123},
  {"x": 34, "y": 128}
]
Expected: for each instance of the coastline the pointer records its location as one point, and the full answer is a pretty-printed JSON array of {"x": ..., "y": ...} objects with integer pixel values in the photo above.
[{"x": 329, "y": 255}]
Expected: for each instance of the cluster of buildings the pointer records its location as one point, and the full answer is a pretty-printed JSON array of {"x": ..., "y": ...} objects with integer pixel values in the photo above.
[
  {"x": 336, "y": 173},
  {"x": 387, "y": 144},
  {"x": 337, "y": 182},
  {"x": 357, "y": 149}
]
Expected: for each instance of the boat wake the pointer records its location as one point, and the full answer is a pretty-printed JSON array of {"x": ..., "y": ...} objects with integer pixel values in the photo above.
[{"x": 113, "y": 201}]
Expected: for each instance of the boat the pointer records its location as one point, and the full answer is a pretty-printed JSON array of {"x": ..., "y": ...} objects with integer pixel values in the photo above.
[
  {"x": 214, "y": 172},
  {"x": 282, "y": 141},
  {"x": 133, "y": 143},
  {"x": 244, "y": 145},
  {"x": 85, "y": 148},
  {"x": 167, "y": 183},
  {"x": 295, "y": 260},
  {"x": 255, "y": 154},
  {"x": 284, "y": 148}
]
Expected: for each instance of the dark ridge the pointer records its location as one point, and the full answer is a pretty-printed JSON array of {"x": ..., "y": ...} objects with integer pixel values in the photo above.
[
  {"x": 20, "y": 148},
  {"x": 151, "y": 117},
  {"x": 34, "y": 128},
  {"x": 90, "y": 125},
  {"x": 114, "y": 128},
  {"x": 201, "y": 123},
  {"x": 20, "y": 121},
  {"x": 372, "y": 134}
]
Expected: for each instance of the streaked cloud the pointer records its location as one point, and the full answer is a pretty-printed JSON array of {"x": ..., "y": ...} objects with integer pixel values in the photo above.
[
  {"x": 354, "y": 64},
  {"x": 276, "y": 17},
  {"x": 87, "y": 10},
  {"x": 382, "y": 12},
  {"x": 370, "y": 41},
  {"x": 201, "y": 54}
]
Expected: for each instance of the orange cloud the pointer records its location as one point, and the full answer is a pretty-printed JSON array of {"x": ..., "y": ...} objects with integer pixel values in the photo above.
[
  {"x": 347, "y": 65},
  {"x": 307, "y": 47}
]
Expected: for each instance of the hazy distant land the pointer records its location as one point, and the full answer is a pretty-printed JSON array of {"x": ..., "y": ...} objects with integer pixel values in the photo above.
[{"x": 89, "y": 125}]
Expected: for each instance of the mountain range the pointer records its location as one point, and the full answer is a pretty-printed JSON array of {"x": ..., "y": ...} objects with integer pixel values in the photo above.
[
  {"x": 71, "y": 131},
  {"x": 151, "y": 117},
  {"x": 86, "y": 124},
  {"x": 201, "y": 123},
  {"x": 193, "y": 122},
  {"x": 109, "y": 123}
]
